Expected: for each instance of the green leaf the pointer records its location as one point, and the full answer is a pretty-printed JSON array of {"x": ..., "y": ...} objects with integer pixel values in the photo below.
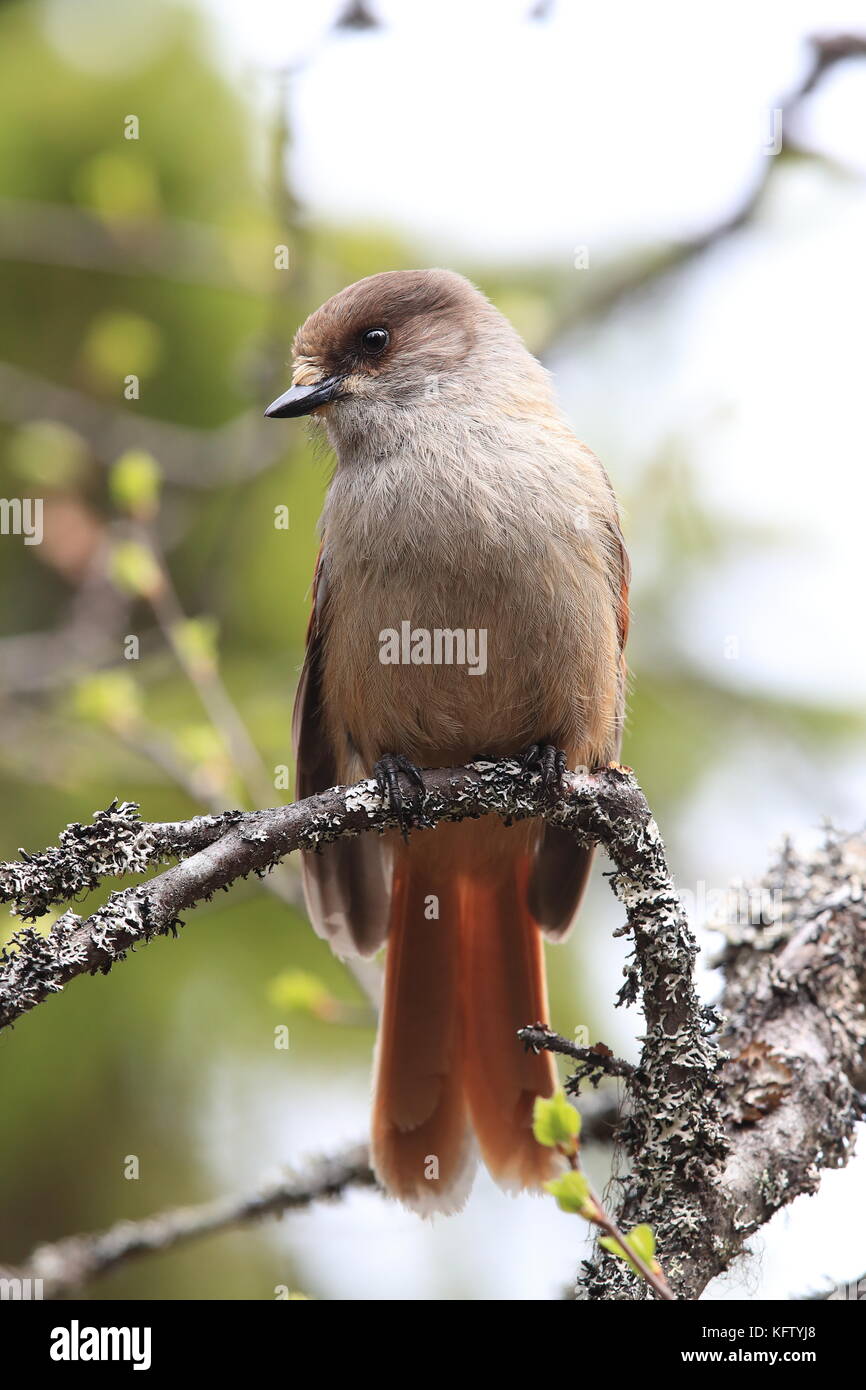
[
  {"x": 641, "y": 1242},
  {"x": 200, "y": 743},
  {"x": 572, "y": 1194},
  {"x": 555, "y": 1122},
  {"x": 304, "y": 993},
  {"x": 195, "y": 640},
  {"x": 50, "y": 455},
  {"x": 134, "y": 483},
  {"x": 110, "y": 699},
  {"x": 117, "y": 345},
  {"x": 118, "y": 187},
  {"x": 134, "y": 569}
]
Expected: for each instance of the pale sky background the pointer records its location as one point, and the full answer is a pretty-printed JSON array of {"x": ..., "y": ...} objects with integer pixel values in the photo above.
[{"x": 483, "y": 137}]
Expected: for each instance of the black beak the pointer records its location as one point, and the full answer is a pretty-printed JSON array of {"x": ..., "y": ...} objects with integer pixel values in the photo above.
[{"x": 300, "y": 400}]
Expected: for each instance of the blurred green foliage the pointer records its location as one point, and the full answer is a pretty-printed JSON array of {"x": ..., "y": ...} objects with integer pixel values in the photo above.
[{"x": 155, "y": 257}]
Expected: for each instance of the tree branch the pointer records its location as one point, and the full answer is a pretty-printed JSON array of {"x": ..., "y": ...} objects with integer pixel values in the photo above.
[
  {"x": 715, "y": 1144},
  {"x": 791, "y": 1086},
  {"x": 66, "y": 1265},
  {"x": 650, "y": 268},
  {"x": 595, "y": 1062},
  {"x": 215, "y": 851},
  {"x": 673, "y": 1091}
]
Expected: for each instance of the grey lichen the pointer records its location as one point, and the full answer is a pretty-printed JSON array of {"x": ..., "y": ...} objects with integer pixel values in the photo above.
[
  {"x": 116, "y": 843},
  {"x": 795, "y": 994},
  {"x": 84, "y": 856},
  {"x": 791, "y": 1085}
]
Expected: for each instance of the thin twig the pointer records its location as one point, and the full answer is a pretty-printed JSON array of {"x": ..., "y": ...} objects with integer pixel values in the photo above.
[
  {"x": 610, "y": 1228},
  {"x": 607, "y": 806},
  {"x": 597, "y": 1061},
  {"x": 647, "y": 270},
  {"x": 66, "y": 1265}
]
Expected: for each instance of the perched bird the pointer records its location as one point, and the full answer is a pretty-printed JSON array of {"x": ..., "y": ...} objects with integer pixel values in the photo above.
[{"x": 462, "y": 505}]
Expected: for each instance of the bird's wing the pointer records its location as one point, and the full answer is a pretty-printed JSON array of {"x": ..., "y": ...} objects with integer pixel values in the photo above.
[
  {"x": 561, "y": 869},
  {"x": 347, "y": 885}
]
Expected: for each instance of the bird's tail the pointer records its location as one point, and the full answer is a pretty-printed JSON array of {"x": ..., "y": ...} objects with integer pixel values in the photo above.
[{"x": 465, "y": 970}]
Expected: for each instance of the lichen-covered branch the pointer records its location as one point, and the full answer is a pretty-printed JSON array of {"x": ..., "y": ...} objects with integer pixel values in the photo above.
[
  {"x": 674, "y": 1082},
  {"x": 791, "y": 1088},
  {"x": 594, "y": 1062},
  {"x": 606, "y": 806},
  {"x": 715, "y": 1144},
  {"x": 114, "y": 844},
  {"x": 795, "y": 1005},
  {"x": 66, "y": 1265},
  {"x": 672, "y": 1131}
]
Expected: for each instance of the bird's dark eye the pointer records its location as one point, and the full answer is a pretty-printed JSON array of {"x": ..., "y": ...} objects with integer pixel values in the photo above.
[{"x": 375, "y": 340}]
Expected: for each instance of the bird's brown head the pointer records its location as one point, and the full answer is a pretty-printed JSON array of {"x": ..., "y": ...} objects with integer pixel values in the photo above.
[{"x": 387, "y": 343}]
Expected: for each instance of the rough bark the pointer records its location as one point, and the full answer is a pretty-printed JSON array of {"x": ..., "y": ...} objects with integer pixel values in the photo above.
[
  {"x": 715, "y": 1143},
  {"x": 794, "y": 1005}
]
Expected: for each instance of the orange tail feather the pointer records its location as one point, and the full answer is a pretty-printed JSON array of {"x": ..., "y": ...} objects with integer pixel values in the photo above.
[
  {"x": 465, "y": 970},
  {"x": 421, "y": 1145},
  {"x": 504, "y": 988}
]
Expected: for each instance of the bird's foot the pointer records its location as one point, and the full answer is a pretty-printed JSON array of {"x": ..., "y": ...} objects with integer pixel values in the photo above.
[
  {"x": 387, "y": 774},
  {"x": 551, "y": 762}
]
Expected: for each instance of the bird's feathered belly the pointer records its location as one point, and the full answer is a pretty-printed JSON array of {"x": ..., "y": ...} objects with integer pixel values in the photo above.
[
  {"x": 460, "y": 650},
  {"x": 439, "y": 670}
]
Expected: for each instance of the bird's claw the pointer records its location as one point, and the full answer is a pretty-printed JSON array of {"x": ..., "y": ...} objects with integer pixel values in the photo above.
[
  {"x": 550, "y": 762},
  {"x": 387, "y": 774}
]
